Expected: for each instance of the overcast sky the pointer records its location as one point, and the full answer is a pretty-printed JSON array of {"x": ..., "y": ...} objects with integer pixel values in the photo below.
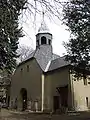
[{"x": 58, "y": 31}]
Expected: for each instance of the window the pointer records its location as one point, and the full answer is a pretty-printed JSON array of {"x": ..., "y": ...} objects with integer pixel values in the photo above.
[
  {"x": 27, "y": 68},
  {"x": 89, "y": 82},
  {"x": 85, "y": 81},
  {"x": 88, "y": 78},
  {"x": 87, "y": 101},
  {"x": 49, "y": 42},
  {"x": 43, "y": 40},
  {"x": 21, "y": 70}
]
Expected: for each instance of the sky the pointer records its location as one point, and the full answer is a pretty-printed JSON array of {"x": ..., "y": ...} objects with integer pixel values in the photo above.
[{"x": 56, "y": 27}]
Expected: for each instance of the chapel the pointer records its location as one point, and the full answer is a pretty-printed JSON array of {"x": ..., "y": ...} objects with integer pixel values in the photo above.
[{"x": 44, "y": 81}]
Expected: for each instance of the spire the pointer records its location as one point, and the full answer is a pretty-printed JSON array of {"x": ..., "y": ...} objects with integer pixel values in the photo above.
[
  {"x": 43, "y": 28},
  {"x": 43, "y": 15},
  {"x": 43, "y": 37}
]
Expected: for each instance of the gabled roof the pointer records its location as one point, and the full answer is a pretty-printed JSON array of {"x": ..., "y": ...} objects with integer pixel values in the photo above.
[
  {"x": 30, "y": 56},
  {"x": 58, "y": 63},
  {"x": 54, "y": 63}
]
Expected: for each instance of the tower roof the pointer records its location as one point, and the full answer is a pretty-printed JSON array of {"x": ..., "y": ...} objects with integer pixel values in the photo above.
[{"x": 43, "y": 28}]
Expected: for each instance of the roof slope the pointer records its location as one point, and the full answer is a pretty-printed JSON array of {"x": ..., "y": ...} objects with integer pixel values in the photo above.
[
  {"x": 30, "y": 56},
  {"x": 43, "y": 55},
  {"x": 54, "y": 63},
  {"x": 58, "y": 63}
]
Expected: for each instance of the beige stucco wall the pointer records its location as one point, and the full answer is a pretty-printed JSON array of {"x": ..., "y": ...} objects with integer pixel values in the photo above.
[
  {"x": 80, "y": 92},
  {"x": 31, "y": 81},
  {"x": 56, "y": 79}
]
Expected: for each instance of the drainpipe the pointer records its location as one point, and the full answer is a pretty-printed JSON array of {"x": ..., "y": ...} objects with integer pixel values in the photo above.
[
  {"x": 72, "y": 90},
  {"x": 43, "y": 77}
]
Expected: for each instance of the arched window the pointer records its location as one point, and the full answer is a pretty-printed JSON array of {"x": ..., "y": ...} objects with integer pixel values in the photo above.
[{"x": 43, "y": 40}]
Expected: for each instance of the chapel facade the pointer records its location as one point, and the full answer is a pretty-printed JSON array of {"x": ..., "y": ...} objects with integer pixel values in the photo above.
[{"x": 44, "y": 81}]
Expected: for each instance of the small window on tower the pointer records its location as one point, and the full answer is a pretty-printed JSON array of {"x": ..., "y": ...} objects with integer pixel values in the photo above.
[
  {"x": 43, "y": 40},
  {"x": 49, "y": 42}
]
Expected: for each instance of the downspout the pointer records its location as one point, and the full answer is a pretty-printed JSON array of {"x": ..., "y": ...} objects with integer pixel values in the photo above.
[
  {"x": 43, "y": 78},
  {"x": 72, "y": 91}
]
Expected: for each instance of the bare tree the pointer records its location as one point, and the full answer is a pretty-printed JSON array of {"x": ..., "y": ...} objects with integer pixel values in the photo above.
[
  {"x": 23, "y": 52},
  {"x": 51, "y": 8}
]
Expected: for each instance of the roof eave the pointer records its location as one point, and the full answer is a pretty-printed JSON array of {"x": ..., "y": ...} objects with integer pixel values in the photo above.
[
  {"x": 25, "y": 61},
  {"x": 49, "y": 71},
  {"x": 43, "y": 33}
]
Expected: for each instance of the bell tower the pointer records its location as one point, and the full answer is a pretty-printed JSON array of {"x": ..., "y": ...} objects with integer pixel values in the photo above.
[
  {"x": 43, "y": 45},
  {"x": 43, "y": 37}
]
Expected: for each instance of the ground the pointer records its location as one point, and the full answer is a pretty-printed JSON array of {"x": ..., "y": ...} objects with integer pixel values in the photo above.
[{"x": 12, "y": 115}]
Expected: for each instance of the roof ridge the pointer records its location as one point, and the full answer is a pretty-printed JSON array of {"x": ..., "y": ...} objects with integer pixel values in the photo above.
[
  {"x": 57, "y": 58},
  {"x": 47, "y": 67}
]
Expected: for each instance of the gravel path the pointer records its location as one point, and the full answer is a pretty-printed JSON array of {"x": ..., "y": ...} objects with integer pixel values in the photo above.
[{"x": 13, "y": 115}]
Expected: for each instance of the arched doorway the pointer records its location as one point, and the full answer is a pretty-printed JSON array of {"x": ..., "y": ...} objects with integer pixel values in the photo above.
[{"x": 23, "y": 93}]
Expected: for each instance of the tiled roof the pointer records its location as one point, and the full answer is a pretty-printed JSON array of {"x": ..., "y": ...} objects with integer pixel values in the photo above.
[
  {"x": 54, "y": 63},
  {"x": 54, "y": 56},
  {"x": 43, "y": 56},
  {"x": 47, "y": 62},
  {"x": 58, "y": 63},
  {"x": 30, "y": 56}
]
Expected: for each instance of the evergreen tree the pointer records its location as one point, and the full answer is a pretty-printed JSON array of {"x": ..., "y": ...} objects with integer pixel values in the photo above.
[
  {"x": 77, "y": 18},
  {"x": 10, "y": 11}
]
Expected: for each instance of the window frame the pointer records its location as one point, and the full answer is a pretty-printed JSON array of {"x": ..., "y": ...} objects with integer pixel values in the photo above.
[{"x": 43, "y": 40}]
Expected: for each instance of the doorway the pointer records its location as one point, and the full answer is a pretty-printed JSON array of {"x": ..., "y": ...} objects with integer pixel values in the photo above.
[
  {"x": 63, "y": 91},
  {"x": 56, "y": 103},
  {"x": 23, "y": 93}
]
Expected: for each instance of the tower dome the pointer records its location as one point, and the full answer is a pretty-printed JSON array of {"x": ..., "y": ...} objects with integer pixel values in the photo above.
[
  {"x": 43, "y": 37},
  {"x": 43, "y": 28}
]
